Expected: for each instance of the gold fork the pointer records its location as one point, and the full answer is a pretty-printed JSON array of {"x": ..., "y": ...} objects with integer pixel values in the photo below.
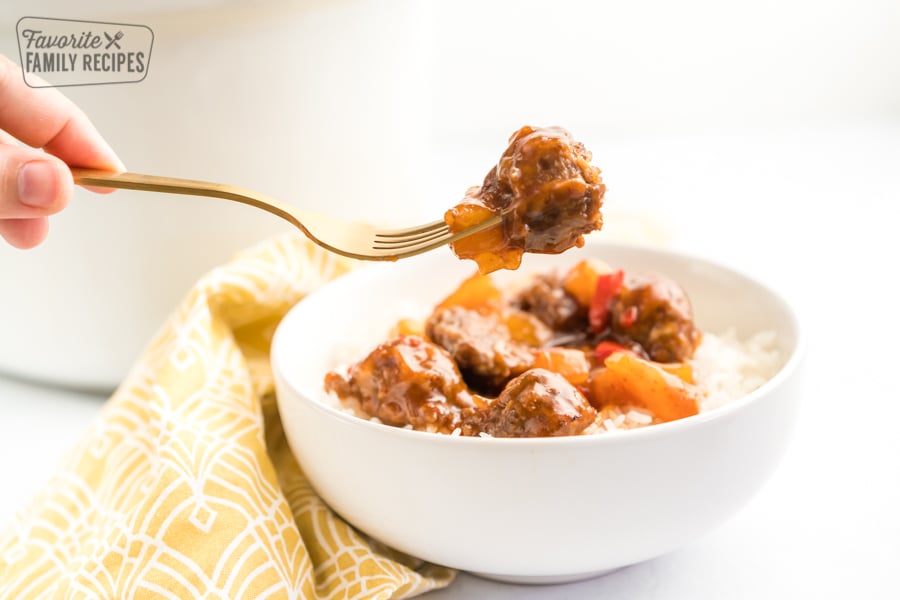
[{"x": 353, "y": 239}]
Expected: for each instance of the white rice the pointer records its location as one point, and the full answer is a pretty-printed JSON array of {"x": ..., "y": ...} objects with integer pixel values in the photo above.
[
  {"x": 637, "y": 416},
  {"x": 725, "y": 369}
]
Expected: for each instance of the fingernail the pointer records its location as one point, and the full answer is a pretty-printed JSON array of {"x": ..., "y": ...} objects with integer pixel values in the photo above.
[{"x": 37, "y": 184}]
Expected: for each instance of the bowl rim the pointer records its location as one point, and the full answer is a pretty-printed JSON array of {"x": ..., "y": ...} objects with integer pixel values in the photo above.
[{"x": 788, "y": 369}]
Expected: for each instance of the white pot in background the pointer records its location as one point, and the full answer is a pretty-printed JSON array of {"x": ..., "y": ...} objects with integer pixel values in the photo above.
[{"x": 321, "y": 104}]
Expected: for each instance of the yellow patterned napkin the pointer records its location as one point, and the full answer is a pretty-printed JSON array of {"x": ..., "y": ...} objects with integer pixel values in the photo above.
[{"x": 185, "y": 487}]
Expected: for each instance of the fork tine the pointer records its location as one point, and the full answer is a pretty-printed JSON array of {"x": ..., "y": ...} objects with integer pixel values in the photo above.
[
  {"x": 412, "y": 231},
  {"x": 411, "y": 248},
  {"x": 399, "y": 243},
  {"x": 429, "y": 242}
]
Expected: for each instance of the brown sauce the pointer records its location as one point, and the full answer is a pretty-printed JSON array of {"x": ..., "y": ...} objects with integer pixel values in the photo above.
[
  {"x": 547, "y": 193},
  {"x": 538, "y": 361}
]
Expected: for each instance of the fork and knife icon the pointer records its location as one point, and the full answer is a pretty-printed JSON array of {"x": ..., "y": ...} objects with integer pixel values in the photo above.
[{"x": 113, "y": 40}]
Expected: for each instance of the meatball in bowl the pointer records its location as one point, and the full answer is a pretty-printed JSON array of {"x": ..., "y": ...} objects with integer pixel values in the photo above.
[{"x": 585, "y": 412}]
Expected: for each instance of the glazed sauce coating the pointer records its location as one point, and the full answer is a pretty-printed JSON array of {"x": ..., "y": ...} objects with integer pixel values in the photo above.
[
  {"x": 406, "y": 381},
  {"x": 537, "y": 403},
  {"x": 548, "y": 301},
  {"x": 481, "y": 345},
  {"x": 528, "y": 363},
  {"x": 654, "y": 311},
  {"x": 547, "y": 193}
]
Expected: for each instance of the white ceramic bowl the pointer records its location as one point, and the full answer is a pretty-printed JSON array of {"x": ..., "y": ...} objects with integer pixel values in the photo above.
[{"x": 531, "y": 510}]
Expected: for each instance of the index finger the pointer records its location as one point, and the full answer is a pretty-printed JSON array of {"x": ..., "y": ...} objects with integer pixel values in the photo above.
[{"x": 44, "y": 118}]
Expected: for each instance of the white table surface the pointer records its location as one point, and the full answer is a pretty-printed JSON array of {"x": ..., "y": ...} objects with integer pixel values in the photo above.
[{"x": 811, "y": 209}]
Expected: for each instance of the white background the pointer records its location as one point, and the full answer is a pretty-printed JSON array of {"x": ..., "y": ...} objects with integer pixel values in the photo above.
[{"x": 764, "y": 134}]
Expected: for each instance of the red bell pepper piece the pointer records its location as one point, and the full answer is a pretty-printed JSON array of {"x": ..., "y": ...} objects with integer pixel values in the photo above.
[
  {"x": 606, "y": 347},
  {"x": 628, "y": 316},
  {"x": 604, "y": 293}
]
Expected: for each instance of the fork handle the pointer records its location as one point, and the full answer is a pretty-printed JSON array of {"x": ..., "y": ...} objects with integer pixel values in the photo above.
[{"x": 189, "y": 187}]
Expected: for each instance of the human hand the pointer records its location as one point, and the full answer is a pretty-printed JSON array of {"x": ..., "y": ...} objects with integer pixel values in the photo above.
[{"x": 35, "y": 181}]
